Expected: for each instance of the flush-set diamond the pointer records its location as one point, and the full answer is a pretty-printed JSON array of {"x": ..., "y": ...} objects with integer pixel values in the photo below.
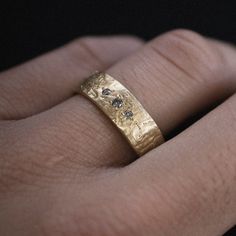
[
  {"x": 128, "y": 114},
  {"x": 117, "y": 103},
  {"x": 106, "y": 91}
]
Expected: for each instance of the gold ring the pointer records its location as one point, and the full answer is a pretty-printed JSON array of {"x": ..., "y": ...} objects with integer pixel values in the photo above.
[{"x": 125, "y": 111}]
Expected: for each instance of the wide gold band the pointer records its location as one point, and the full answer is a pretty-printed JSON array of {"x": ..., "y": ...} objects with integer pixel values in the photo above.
[{"x": 125, "y": 111}]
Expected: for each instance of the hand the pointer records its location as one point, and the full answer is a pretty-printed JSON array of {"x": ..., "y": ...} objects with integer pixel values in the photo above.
[{"x": 66, "y": 170}]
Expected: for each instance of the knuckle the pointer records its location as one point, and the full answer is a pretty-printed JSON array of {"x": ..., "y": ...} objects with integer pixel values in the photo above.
[
  {"x": 132, "y": 41},
  {"x": 119, "y": 39},
  {"x": 90, "y": 49},
  {"x": 135, "y": 39},
  {"x": 191, "y": 53},
  {"x": 80, "y": 50}
]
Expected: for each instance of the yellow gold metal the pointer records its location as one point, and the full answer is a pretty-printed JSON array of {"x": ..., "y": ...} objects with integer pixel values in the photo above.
[{"x": 125, "y": 111}]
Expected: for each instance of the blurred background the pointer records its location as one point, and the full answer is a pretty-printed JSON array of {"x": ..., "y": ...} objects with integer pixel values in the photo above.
[{"x": 30, "y": 28}]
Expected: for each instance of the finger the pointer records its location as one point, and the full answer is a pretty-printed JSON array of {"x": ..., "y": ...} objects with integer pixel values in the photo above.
[
  {"x": 46, "y": 81},
  {"x": 174, "y": 76},
  {"x": 189, "y": 182}
]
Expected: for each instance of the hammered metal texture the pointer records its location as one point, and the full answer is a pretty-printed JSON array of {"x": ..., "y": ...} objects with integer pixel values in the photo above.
[{"x": 124, "y": 110}]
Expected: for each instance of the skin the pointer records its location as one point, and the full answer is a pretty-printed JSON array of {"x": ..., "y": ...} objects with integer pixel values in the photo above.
[{"x": 66, "y": 170}]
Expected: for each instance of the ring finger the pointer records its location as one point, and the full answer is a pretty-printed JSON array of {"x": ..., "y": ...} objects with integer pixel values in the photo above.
[{"x": 174, "y": 76}]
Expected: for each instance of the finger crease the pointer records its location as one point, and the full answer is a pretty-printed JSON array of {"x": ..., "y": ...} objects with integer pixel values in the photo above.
[
  {"x": 92, "y": 54},
  {"x": 174, "y": 63}
]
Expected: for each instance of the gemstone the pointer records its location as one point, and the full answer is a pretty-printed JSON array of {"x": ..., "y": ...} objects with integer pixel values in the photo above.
[
  {"x": 128, "y": 114},
  {"x": 106, "y": 91},
  {"x": 117, "y": 102}
]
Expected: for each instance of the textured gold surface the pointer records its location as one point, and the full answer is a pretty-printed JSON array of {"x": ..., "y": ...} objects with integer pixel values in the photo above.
[{"x": 131, "y": 118}]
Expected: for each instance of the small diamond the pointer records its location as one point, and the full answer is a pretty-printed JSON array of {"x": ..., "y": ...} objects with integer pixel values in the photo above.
[
  {"x": 117, "y": 102},
  {"x": 128, "y": 114},
  {"x": 106, "y": 91}
]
